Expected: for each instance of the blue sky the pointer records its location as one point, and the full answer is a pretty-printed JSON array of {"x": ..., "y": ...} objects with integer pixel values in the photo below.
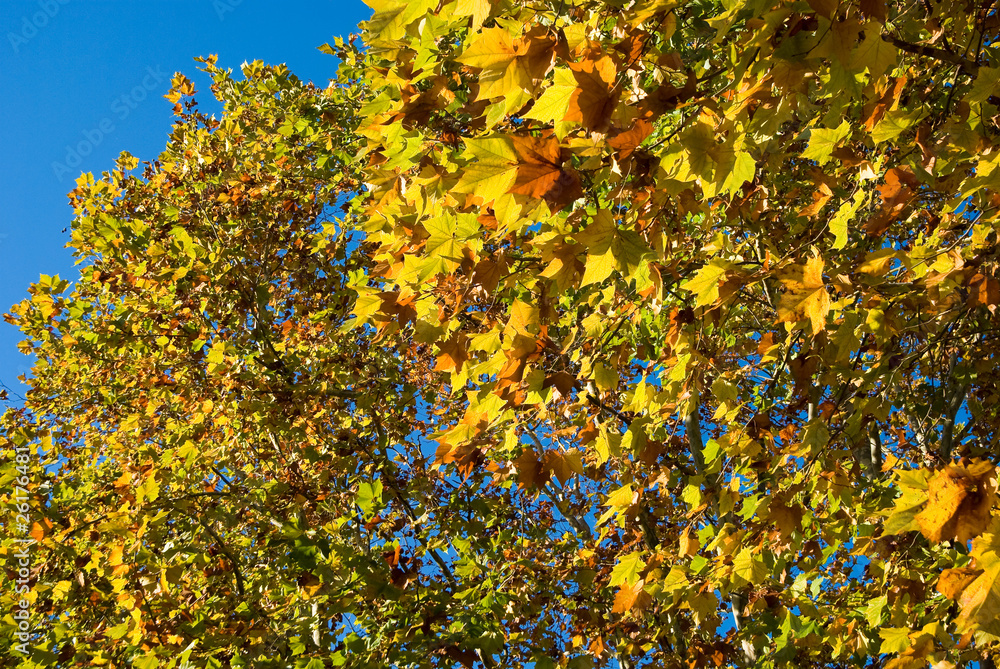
[{"x": 88, "y": 77}]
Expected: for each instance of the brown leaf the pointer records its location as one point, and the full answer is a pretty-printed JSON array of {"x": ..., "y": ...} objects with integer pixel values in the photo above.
[
  {"x": 530, "y": 472},
  {"x": 464, "y": 657},
  {"x": 595, "y": 98},
  {"x": 984, "y": 290},
  {"x": 539, "y": 167},
  {"x": 874, "y": 9},
  {"x": 627, "y": 141},
  {"x": 563, "y": 464}
]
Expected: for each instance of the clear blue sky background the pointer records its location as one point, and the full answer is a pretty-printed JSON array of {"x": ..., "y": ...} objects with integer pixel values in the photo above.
[{"x": 81, "y": 74}]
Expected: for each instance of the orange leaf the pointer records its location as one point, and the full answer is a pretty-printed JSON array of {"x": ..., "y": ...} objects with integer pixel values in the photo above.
[
  {"x": 539, "y": 168},
  {"x": 952, "y": 582},
  {"x": 40, "y": 530},
  {"x": 959, "y": 502},
  {"x": 626, "y": 142},
  {"x": 984, "y": 291},
  {"x": 630, "y": 597},
  {"x": 454, "y": 353},
  {"x": 689, "y": 545}
]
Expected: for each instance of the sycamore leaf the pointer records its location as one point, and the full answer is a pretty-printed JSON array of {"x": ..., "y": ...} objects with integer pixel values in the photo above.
[
  {"x": 913, "y": 488},
  {"x": 688, "y": 543},
  {"x": 540, "y": 174},
  {"x": 622, "y": 498},
  {"x": 539, "y": 167},
  {"x": 822, "y": 142},
  {"x": 530, "y": 472},
  {"x": 705, "y": 282},
  {"x": 875, "y": 54},
  {"x": 894, "y": 639},
  {"x": 959, "y": 502},
  {"x": 952, "y": 582},
  {"x": 748, "y": 569},
  {"x": 895, "y": 123},
  {"x": 479, "y": 10},
  {"x": 845, "y": 214},
  {"x": 979, "y": 602},
  {"x": 552, "y": 105},
  {"x": 454, "y": 353},
  {"x": 610, "y": 248},
  {"x": 631, "y": 596},
  {"x": 593, "y": 101},
  {"x": 805, "y": 297},
  {"x": 369, "y": 494},
  {"x": 493, "y": 48},
  {"x": 492, "y": 168},
  {"x": 563, "y": 464},
  {"x": 627, "y": 570}
]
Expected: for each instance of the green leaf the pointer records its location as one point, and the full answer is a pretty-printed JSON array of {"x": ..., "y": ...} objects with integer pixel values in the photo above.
[
  {"x": 894, "y": 639},
  {"x": 369, "y": 495},
  {"x": 823, "y": 141},
  {"x": 627, "y": 570}
]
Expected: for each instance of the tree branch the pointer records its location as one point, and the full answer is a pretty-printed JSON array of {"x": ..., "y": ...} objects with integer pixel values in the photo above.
[{"x": 969, "y": 66}]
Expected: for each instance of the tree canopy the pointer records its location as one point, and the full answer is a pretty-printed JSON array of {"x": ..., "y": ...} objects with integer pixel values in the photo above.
[{"x": 552, "y": 333}]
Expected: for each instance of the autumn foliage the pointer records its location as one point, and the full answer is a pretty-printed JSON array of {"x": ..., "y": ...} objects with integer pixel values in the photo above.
[{"x": 554, "y": 333}]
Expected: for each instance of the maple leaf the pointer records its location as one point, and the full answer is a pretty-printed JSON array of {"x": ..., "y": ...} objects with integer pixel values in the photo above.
[
  {"x": 959, "y": 502},
  {"x": 479, "y": 10},
  {"x": 454, "y": 353},
  {"x": 822, "y": 142},
  {"x": 952, "y": 582},
  {"x": 979, "y": 601},
  {"x": 596, "y": 96},
  {"x": 540, "y": 174},
  {"x": 492, "y": 168},
  {"x": 631, "y": 596},
  {"x": 805, "y": 297}
]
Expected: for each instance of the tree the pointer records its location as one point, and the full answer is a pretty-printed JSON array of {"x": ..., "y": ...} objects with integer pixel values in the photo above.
[{"x": 659, "y": 334}]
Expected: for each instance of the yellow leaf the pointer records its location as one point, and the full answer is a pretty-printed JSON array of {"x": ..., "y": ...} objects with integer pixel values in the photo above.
[
  {"x": 552, "y": 105},
  {"x": 621, "y": 498},
  {"x": 705, "y": 283},
  {"x": 479, "y": 10},
  {"x": 492, "y": 168},
  {"x": 805, "y": 295},
  {"x": 689, "y": 544},
  {"x": 960, "y": 500}
]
